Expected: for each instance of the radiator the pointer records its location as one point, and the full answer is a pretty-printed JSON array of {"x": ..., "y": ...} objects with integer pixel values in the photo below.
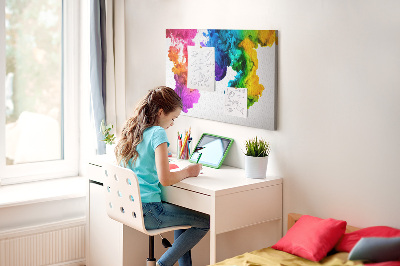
[{"x": 61, "y": 243}]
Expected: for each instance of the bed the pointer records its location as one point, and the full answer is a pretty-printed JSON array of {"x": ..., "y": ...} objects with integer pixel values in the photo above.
[{"x": 343, "y": 239}]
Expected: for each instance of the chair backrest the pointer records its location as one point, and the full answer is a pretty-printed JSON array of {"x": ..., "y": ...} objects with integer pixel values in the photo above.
[{"x": 123, "y": 201}]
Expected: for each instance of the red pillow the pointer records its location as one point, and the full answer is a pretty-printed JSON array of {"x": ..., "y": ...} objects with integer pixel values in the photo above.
[
  {"x": 311, "y": 237},
  {"x": 349, "y": 240}
]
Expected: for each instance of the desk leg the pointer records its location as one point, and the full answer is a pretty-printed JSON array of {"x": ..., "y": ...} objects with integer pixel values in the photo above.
[
  {"x": 213, "y": 247},
  {"x": 213, "y": 235}
]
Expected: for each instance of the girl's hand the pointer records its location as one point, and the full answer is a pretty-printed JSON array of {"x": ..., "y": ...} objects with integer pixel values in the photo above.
[
  {"x": 193, "y": 170},
  {"x": 165, "y": 176}
]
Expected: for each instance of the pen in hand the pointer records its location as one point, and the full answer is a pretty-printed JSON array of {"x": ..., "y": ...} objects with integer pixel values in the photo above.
[{"x": 198, "y": 158}]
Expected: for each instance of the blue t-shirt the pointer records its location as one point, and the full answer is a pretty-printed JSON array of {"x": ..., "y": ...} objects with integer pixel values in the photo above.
[{"x": 145, "y": 165}]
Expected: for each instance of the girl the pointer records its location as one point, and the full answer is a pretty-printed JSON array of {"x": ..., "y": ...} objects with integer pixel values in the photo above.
[{"x": 143, "y": 148}]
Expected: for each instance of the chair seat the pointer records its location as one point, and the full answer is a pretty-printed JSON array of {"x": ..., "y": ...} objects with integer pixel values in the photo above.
[{"x": 165, "y": 229}]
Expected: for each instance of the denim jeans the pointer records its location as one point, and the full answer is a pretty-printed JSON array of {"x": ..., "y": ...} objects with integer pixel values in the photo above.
[{"x": 161, "y": 214}]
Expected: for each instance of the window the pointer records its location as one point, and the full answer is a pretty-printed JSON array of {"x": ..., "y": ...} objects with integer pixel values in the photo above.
[{"x": 39, "y": 89}]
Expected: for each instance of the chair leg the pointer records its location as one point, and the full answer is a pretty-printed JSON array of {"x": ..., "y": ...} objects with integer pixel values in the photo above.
[{"x": 151, "y": 261}]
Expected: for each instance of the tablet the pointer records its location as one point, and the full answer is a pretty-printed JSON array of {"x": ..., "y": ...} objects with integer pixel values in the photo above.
[{"x": 211, "y": 150}]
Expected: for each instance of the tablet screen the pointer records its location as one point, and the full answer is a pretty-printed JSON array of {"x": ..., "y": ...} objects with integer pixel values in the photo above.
[{"x": 211, "y": 150}]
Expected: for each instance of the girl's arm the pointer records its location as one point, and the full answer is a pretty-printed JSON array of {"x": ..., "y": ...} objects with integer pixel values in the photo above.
[{"x": 166, "y": 177}]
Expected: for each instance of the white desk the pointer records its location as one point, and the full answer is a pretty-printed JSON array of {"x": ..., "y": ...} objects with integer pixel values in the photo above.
[{"x": 232, "y": 200}]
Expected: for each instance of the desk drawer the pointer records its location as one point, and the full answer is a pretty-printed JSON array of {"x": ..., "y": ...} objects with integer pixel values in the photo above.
[
  {"x": 96, "y": 173},
  {"x": 186, "y": 198},
  {"x": 238, "y": 210}
]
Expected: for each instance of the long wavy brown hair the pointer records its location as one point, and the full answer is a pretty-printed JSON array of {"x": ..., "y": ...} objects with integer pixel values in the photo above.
[{"x": 145, "y": 116}]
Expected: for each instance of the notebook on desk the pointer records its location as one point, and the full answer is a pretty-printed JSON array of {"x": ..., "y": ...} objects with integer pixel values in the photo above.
[
  {"x": 177, "y": 164},
  {"x": 173, "y": 167}
]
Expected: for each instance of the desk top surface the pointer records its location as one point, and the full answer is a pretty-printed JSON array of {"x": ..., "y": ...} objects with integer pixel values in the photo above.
[
  {"x": 213, "y": 182},
  {"x": 222, "y": 181}
]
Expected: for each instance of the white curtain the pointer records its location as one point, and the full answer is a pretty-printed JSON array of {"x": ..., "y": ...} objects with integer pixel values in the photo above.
[
  {"x": 98, "y": 62},
  {"x": 107, "y": 66},
  {"x": 115, "y": 89}
]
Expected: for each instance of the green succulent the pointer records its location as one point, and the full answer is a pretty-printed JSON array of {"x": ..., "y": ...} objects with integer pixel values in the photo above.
[{"x": 257, "y": 147}]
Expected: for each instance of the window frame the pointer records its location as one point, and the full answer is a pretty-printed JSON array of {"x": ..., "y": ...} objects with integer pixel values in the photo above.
[{"x": 69, "y": 165}]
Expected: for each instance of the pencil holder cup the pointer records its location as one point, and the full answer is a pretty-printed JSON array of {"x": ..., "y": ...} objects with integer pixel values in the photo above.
[{"x": 184, "y": 145}]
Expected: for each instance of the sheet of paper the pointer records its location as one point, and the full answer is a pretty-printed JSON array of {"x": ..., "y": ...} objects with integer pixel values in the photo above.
[
  {"x": 201, "y": 68},
  {"x": 235, "y": 102}
]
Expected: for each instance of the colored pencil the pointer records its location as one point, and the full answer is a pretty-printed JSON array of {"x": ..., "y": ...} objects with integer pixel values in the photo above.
[{"x": 183, "y": 145}]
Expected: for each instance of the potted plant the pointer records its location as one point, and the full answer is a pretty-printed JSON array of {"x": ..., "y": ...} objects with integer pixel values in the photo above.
[
  {"x": 256, "y": 158},
  {"x": 109, "y": 138}
]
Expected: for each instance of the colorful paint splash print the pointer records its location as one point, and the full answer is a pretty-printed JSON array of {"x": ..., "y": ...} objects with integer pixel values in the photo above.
[{"x": 233, "y": 48}]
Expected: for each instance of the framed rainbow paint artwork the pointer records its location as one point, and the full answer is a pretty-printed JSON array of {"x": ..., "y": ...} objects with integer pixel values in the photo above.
[{"x": 225, "y": 75}]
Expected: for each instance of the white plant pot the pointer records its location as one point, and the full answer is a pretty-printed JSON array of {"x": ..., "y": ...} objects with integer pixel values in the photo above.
[{"x": 255, "y": 167}]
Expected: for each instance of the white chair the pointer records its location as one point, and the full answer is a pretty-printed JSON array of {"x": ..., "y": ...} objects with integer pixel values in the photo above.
[{"x": 125, "y": 205}]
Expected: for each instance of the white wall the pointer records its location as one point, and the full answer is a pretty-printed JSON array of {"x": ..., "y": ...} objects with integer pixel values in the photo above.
[{"x": 337, "y": 145}]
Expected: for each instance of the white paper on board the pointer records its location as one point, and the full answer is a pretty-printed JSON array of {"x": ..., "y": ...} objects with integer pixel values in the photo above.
[
  {"x": 201, "y": 68},
  {"x": 235, "y": 102}
]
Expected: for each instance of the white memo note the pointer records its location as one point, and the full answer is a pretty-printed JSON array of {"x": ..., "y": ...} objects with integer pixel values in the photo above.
[
  {"x": 201, "y": 68},
  {"x": 235, "y": 102}
]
